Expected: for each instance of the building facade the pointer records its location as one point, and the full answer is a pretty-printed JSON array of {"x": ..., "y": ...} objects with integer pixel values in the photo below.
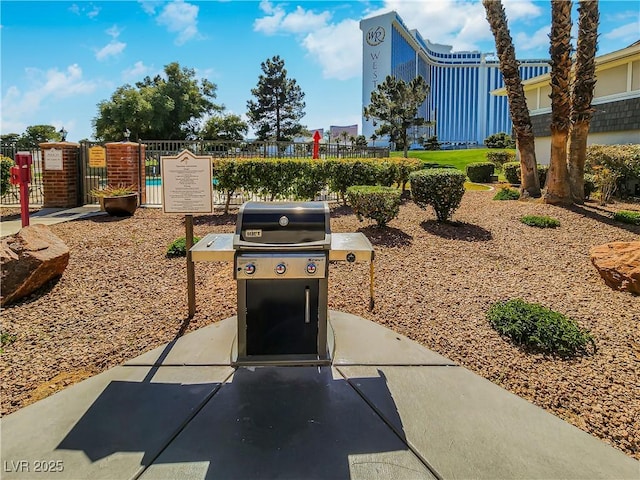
[{"x": 459, "y": 105}]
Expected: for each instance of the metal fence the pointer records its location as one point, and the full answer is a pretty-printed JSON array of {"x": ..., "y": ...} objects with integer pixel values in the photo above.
[{"x": 36, "y": 193}]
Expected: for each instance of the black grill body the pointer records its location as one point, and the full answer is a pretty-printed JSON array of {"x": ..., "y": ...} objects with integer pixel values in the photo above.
[{"x": 281, "y": 266}]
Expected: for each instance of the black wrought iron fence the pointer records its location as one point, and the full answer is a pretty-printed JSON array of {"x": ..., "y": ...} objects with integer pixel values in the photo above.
[{"x": 36, "y": 193}]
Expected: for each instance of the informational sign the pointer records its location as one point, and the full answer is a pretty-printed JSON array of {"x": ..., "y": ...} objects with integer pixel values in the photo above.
[
  {"x": 97, "y": 157},
  {"x": 53, "y": 159},
  {"x": 187, "y": 183}
]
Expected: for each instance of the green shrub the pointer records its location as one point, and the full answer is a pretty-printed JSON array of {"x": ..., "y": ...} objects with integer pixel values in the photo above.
[
  {"x": 480, "y": 172},
  {"x": 512, "y": 173},
  {"x": 440, "y": 188},
  {"x": 500, "y": 140},
  {"x": 536, "y": 326},
  {"x": 345, "y": 173},
  {"x": 589, "y": 185},
  {"x": 403, "y": 168},
  {"x": 623, "y": 161},
  {"x": 540, "y": 221},
  {"x": 507, "y": 193},
  {"x": 5, "y": 174},
  {"x": 627, "y": 216},
  {"x": 428, "y": 165},
  {"x": 378, "y": 203},
  {"x": 178, "y": 247},
  {"x": 500, "y": 158}
]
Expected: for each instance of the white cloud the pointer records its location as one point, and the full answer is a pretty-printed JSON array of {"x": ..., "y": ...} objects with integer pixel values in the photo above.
[
  {"x": 89, "y": 10},
  {"x": 17, "y": 105},
  {"x": 181, "y": 18},
  {"x": 114, "y": 47},
  {"x": 537, "y": 40},
  {"x": 626, "y": 33},
  {"x": 341, "y": 56},
  {"x": 149, "y": 6},
  {"x": 298, "y": 21},
  {"x": 136, "y": 72},
  {"x": 111, "y": 49}
]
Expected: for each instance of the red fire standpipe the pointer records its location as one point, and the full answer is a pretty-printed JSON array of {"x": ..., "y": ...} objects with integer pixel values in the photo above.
[
  {"x": 23, "y": 164},
  {"x": 316, "y": 144}
]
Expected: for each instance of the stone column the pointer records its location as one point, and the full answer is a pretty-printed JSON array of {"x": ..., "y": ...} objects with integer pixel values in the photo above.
[
  {"x": 60, "y": 174},
  {"x": 125, "y": 166}
]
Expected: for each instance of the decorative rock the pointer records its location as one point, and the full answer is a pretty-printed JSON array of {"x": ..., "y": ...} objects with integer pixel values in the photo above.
[
  {"x": 618, "y": 264},
  {"x": 28, "y": 260}
]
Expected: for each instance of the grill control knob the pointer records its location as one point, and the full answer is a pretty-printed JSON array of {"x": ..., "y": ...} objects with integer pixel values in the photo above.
[
  {"x": 311, "y": 268},
  {"x": 281, "y": 268},
  {"x": 249, "y": 269}
]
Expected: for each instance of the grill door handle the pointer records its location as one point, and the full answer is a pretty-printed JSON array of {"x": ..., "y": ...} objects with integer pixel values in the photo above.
[{"x": 307, "y": 306}]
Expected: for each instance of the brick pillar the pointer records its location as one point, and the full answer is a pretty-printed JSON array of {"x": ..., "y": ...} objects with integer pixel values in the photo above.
[
  {"x": 125, "y": 166},
  {"x": 60, "y": 179}
]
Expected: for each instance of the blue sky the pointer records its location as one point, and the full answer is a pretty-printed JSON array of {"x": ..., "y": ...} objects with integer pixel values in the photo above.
[{"x": 59, "y": 59}]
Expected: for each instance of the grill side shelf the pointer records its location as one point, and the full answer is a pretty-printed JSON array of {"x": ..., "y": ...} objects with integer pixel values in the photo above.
[
  {"x": 350, "y": 247},
  {"x": 214, "y": 247}
]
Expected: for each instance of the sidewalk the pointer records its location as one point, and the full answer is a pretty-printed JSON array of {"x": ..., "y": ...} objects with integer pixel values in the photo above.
[
  {"x": 50, "y": 216},
  {"x": 386, "y": 408}
]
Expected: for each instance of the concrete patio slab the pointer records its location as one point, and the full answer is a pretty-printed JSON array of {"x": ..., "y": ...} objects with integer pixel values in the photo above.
[
  {"x": 359, "y": 342},
  {"x": 287, "y": 422},
  {"x": 210, "y": 345},
  {"x": 50, "y": 216},
  {"x": 108, "y": 426},
  {"x": 464, "y": 426}
]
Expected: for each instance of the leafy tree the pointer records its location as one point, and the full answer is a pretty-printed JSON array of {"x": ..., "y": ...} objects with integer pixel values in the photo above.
[
  {"x": 168, "y": 106},
  {"x": 226, "y": 127},
  {"x": 34, "y": 135},
  {"x": 10, "y": 137},
  {"x": 525, "y": 140},
  {"x": 279, "y": 103},
  {"x": 394, "y": 104},
  {"x": 361, "y": 141}
]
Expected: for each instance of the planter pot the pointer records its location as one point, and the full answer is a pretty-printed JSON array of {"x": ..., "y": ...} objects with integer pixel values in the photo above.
[{"x": 121, "y": 206}]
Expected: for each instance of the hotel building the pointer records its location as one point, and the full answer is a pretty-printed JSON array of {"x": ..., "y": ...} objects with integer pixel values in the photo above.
[{"x": 459, "y": 102}]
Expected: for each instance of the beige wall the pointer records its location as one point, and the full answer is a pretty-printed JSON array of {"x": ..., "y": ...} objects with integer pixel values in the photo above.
[
  {"x": 611, "y": 81},
  {"x": 635, "y": 75},
  {"x": 543, "y": 144}
]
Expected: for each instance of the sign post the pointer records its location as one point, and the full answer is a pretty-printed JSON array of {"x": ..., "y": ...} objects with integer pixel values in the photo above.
[{"x": 187, "y": 187}]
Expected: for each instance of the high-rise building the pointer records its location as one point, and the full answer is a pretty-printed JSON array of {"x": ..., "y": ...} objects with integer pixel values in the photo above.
[{"x": 459, "y": 105}]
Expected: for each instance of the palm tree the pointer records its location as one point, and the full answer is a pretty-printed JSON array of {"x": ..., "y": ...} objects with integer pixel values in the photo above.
[
  {"x": 557, "y": 187},
  {"x": 525, "y": 141},
  {"x": 582, "y": 94}
]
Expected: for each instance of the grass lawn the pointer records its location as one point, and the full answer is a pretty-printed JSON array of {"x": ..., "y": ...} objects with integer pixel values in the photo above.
[{"x": 456, "y": 158}]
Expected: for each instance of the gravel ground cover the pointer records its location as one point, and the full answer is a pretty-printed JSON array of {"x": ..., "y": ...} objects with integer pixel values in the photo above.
[{"x": 120, "y": 296}]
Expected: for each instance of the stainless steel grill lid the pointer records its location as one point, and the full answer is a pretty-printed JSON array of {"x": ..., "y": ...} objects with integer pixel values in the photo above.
[{"x": 292, "y": 224}]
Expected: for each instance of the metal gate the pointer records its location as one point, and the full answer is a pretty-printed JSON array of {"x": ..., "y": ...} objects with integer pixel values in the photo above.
[
  {"x": 89, "y": 178},
  {"x": 36, "y": 193}
]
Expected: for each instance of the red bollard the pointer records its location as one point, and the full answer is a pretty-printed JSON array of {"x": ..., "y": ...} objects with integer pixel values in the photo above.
[{"x": 23, "y": 172}]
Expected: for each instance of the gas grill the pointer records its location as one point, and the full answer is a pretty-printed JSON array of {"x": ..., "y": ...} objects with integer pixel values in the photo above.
[
  {"x": 282, "y": 267},
  {"x": 281, "y": 253}
]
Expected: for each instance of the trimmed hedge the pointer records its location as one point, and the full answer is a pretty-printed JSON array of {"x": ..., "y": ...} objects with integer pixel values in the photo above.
[
  {"x": 378, "y": 203},
  {"x": 539, "y": 327},
  {"x": 512, "y": 173},
  {"x": 440, "y": 188},
  {"x": 500, "y": 158},
  {"x": 480, "y": 172},
  {"x": 5, "y": 174}
]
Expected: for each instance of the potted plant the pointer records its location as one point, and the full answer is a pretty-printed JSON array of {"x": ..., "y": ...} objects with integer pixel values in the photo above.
[{"x": 119, "y": 201}]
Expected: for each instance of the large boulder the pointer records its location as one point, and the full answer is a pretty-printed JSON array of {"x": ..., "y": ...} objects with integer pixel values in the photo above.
[
  {"x": 618, "y": 264},
  {"x": 29, "y": 259}
]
